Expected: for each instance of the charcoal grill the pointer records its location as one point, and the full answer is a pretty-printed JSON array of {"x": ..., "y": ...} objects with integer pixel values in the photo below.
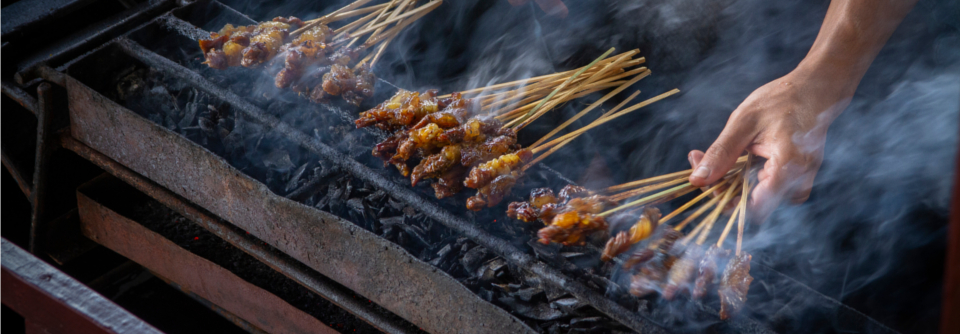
[{"x": 334, "y": 252}]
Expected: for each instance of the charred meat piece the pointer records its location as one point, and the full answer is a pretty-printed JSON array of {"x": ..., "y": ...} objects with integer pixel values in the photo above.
[
  {"x": 491, "y": 194},
  {"x": 648, "y": 222},
  {"x": 485, "y": 173},
  {"x": 652, "y": 273},
  {"x": 249, "y": 45},
  {"x": 571, "y": 191},
  {"x": 569, "y": 228},
  {"x": 401, "y": 111},
  {"x": 707, "y": 270},
  {"x": 449, "y": 183},
  {"x": 638, "y": 258},
  {"x": 435, "y": 165},
  {"x": 683, "y": 272},
  {"x": 529, "y": 211},
  {"x": 734, "y": 285}
]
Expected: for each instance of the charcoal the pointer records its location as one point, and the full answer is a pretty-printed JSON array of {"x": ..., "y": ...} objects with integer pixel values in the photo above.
[
  {"x": 554, "y": 293},
  {"x": 472, "y": 259},
  {"x": 541, "y": 312},
  {"x": 488, "y": 271},
  {"x": 441, "y": 254},
  {"x": 279, "y": 160},
  {"x": 585, "y": 322},
  {"x": 528, "y": 293},
  {"x": 547, "y": 253},
  {"x": 568, "y": 305},
  {"x": 485, "y": 294},
  {"x": 296, "y": 178},
  {"x": 355, "y": 204}
]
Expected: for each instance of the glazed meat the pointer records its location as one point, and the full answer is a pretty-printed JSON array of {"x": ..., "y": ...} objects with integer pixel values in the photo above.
[
  {"x": 529, "y": 211},
  {"x": 449, "y": 183},
  {"x": 734, "y": 285},
  {"x": 651, "y": 274},
  {"x": 491, "y": 194},
  {"x": 683, "y": 272},
  {"x": 644, "y": 227},
  {"x": 570, "y": 228},
  {"x": 485, "y": 173},
  {"x": 400, "y": 111},
  {"x": 707, "y": 270},
  {"x": 572, "y": 191},
  {"x": 435, "y": 165}
]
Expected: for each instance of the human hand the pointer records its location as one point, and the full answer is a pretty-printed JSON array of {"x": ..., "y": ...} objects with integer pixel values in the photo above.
[
  {"x": 785, "y": 122},
  {"x": 552, "y": 7}
]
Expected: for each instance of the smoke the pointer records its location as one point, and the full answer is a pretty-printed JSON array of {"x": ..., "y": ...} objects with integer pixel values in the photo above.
[
  {"x": 874, "y": 224},
  {"x": 871, "y": 233}
]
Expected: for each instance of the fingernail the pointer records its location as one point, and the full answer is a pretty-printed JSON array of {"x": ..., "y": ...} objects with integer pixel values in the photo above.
[
  {"x": 702, "y": 172},
  {"x": 690, "y": 159}
]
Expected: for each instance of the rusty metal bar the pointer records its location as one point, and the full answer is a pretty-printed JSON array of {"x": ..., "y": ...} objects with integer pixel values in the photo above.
[
  {"x": 634, "y": 320},
  {"x": 192, "y": 273},
  {"x": 19, "y": 95},
  {"x": 362, "y": 261},
  {"x": 288, "y": 267},
  {"x": 82, "y": 41},
  {"x": 25, "y": 187},
  {"x": 46, "y": 143},
  {"x": 55, "y": 302}
]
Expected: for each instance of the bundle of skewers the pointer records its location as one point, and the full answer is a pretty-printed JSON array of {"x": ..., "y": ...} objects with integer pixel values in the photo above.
[
  {"x": 311, "y": 58},
  {"x": 469, "y": 138},
  {"x": 675, "y": 259}
]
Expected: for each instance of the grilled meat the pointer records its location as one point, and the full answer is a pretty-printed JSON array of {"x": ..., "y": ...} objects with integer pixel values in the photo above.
[
  {"x": 707, "y": 270},
  {"x": 569, "y": 228},
  {"x": 529, "y": 211},
  {"x": 734, "y": 285},
  {"x": 683, "y": 272}
]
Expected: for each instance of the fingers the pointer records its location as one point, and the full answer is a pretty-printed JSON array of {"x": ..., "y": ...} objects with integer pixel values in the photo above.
[
  {"x": 723, "y": 154},
  {"x": 768, "y": 193}
]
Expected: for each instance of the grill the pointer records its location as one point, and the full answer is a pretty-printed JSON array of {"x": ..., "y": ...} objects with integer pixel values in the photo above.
[{"x": 190, "y": 151}]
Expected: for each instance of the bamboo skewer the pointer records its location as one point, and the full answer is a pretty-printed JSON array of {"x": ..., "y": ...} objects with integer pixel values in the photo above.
[
  {"x": 565, "y": 83},
  {"x": 712, "y": 218},
  {"x": 692, "y": 202},
  {"x": 402, "y": 6},
  {"x": 592, "y": 106},
  {"x": 399, "y": 18},
  {"x": 555, "y": 148},
  {"x": 349, "y": 7},
  {"x": 349, "y": 14},
  {"x": 655, "y": 179},
  {"x": 743, "y": 202},
  {"x": 631, "y": 193},
  {"x": 648, "y": 199},
  {"x": 726, "y": 229},
  {"x": 612, "y": 117},
  {"x": 703, "y": 208}
]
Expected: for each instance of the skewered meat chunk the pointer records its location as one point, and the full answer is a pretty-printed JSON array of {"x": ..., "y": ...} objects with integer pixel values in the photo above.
[
  {"x": 571, "y": 191},
  {"x": 449, "y": 183},
  {"x": 436, "y": 164},
  {"x": 707, "y": 270},
  {"x": 485, "y": 173},
  {"x": 529, "y": 211},
  {"x": 654, "y": 265},
  {"x": 569, "y": 228},
  {"x": 400, "y": 111},
  {"x": 644, "y": 227},
  {"x": 683, "y": 272},
  {"x": 491, "y": 194},
  {"x": 247, "y": 45},
  {"x": 734, "y": 285}
]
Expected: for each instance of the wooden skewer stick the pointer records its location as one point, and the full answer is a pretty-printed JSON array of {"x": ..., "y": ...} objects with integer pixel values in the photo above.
[
  {"x": 400, "y": 26},
  {"x": 648, "y": 199},
  {"x": 703, "y": 208},
  {"x": 350, "y": 26},
  {"x": 743, "y": 201},
  {"x": 517, "y": 113},
  {"x": 636, "y": 192},
  {"x": 349, "y": 14},
  {"x": 528, "y": 81},
  {"x": 555, "y": 148},
  {"x": 655, "y": 179},
  {"x": 349, "y": 7},
  {"x": 726, "y": 229},
  {"x": 592, "y": 106},
  {"x": 400, "y": 9},
  {"x": 712, "y": 218},
  {"x": 596, "y": 79},
  {"x": 607, "y": 119},
  {"x": 692, "y": 202},
  {"x": 703, "y": 223},
  {"x": 415, "y": 12},
  {"x": 565, "y": 83}
]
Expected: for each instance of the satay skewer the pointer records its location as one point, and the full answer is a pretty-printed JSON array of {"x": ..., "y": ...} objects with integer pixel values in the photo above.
[
  {"x": 555, "y": 148},
  {"x": 712, "y": 218},
  {"x": 607, "y": 119},
  {"x": 343, "y": 9},
  {"x": 345, "y": 15},
  {"x": 743, "y": 202},
  {"x": 726, "y": 229},
  {"x": 565, "y": 83},
  {"x": 692, "y": 202}
]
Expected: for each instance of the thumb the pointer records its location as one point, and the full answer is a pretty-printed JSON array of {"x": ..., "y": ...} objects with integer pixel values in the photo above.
[{"x": 723, "y": 154}]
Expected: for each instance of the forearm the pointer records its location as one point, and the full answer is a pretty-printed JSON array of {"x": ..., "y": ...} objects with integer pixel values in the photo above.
[{"x": 852, "y": 34}]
